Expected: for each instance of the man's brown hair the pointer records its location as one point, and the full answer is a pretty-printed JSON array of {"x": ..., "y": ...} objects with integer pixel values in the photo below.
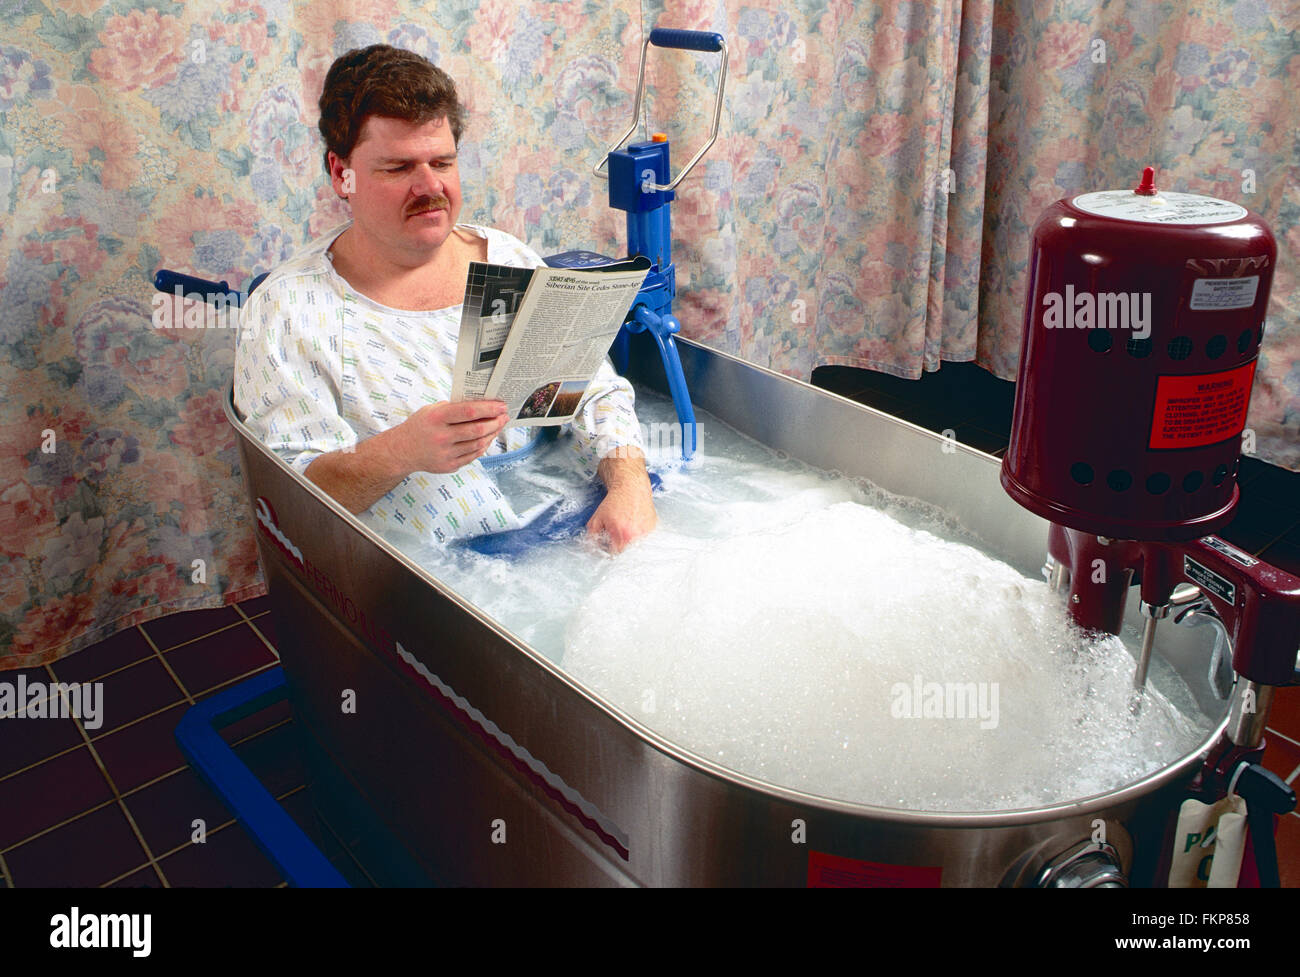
[{"x": 383, "y": 80}]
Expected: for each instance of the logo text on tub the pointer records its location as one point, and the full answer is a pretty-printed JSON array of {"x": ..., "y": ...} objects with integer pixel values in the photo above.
[
  {"x": 1098, "y": 310},
  {"x": 102, "y": 930},
  {"x": 945, "y": 700},
  {"x": 22, "y": 699}
]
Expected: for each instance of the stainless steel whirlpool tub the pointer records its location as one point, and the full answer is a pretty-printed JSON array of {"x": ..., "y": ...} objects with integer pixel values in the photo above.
[{"x": 482, "y": 763}]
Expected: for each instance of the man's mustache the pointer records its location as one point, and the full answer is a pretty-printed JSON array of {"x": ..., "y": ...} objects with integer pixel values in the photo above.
[{"x": 429, "y": 203}]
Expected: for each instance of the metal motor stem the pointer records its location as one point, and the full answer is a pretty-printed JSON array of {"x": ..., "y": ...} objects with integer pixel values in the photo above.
[
  {"x": 1153, "y": 614},
  {"x": 1248, "y": 714}
]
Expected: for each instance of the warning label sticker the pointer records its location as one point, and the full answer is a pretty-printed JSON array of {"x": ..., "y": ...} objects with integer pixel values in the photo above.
[
  {"x": 1193, "y": 411},
  {"x": 826, "y": 871},
  {"x": 1224, "y": 293}
]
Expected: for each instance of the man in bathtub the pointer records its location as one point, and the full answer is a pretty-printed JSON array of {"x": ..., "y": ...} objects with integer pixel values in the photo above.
[{"x": 345, "y": 352}]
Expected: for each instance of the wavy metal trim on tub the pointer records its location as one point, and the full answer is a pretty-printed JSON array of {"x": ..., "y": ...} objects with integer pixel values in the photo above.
[{"x": 586, "y": 811}]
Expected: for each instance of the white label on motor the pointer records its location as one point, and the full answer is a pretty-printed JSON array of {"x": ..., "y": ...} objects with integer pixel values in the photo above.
[
  {"x": 1164, "y": 208},
  {"x": 1224, "y": 293}
]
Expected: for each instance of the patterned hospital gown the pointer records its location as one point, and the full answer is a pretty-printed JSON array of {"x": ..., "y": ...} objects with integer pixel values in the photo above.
[{"x": 319, "y": 367}]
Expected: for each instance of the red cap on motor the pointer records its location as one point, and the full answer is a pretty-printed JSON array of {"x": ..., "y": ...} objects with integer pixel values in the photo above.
[{"x": 1143, "y": 320}]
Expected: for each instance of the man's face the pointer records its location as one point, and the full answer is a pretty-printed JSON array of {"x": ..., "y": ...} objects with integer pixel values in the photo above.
[{"x": 403, "y": 185}]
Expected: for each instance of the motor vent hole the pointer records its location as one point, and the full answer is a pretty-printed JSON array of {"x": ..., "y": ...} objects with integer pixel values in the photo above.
[
  {"x": 1119, "y": 480},
  {"x": 1082, "y": 473},
  {"x": 1139, "y": 348}
]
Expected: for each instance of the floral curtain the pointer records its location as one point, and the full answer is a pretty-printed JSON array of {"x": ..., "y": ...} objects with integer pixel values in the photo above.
[{"x": 868, "y": 204}]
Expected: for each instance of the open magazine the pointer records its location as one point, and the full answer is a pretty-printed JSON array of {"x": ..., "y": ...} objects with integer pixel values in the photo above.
[{"x": 535, "y": 337}]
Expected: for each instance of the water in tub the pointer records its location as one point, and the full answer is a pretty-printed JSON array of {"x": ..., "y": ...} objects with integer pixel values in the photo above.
[{"x": 815, "y": 632}]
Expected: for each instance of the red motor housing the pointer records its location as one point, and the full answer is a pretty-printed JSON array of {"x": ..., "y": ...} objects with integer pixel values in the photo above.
[{"x": 1143, "y": 320}]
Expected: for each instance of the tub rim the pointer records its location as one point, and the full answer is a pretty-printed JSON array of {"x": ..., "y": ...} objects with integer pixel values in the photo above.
[{"x": 1078, "y": 807}]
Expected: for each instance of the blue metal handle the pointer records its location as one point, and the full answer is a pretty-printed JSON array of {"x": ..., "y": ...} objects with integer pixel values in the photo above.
[
  {"x": 686, "y": 40},
  {"x": 168, "y": 281},
  {"x": 662, "y": 328}
]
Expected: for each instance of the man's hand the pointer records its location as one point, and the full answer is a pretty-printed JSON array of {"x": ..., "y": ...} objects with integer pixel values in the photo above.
[
  {"x": 628, "y": 511},
  {"x": 445, "y": 437},
  {"x": 437, "y": 438}
]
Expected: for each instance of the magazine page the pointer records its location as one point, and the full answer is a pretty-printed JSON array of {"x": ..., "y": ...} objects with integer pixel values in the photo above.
[
  {"x": 535, "y": 338},
  {"x": 493, "y": 295}
]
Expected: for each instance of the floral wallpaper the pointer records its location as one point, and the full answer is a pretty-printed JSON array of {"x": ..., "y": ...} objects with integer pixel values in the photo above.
[{"x": 868, "y": 203}]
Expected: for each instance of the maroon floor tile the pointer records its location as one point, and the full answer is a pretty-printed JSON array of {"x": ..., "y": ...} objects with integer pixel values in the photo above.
[
  {"x": 1252, "y": 528},
  {"x": 165, "y": 812},
  {"x": 266, "y": 624},
  {"x": 978, "y": 438},
  {"x": 26, "y": 741},
  {"x": 215, "y": 660},
  {"x": 258, "y": 722},
  {"x": 351, "y": 872},
  {"x": 300, "y": 807},
  {"x": 122, "y": 649},
  {"x": 1288, "y": 851},
  {"x": 846, "y": 381},
  {"x": 275, "y": 758},
  {"x": 1285, "y": 714},
  {"x": 1283, "y": 554},
  {"x": 1280, "y": 755},
  {"x": 144, "y": 750},
  {"x": 175, "y": 629},
  {"x": 1276, "y": 488},
  {"x": 145, "y": 878},
  {"x": 48, "y": 793},
  {"x": 90, "y": 851},
  {"x": 227, "y": 858},
  {"x": 135, "y": 692},
  {"x": 256, "y": 606}
]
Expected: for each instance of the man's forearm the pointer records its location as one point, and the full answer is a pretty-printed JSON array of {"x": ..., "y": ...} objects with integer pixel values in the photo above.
[
  {"x": 359, "y": 477},
  {"x": 624, "y": 470}
]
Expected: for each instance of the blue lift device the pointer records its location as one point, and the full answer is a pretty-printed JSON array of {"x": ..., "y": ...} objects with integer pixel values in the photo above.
[{"x": 639, "y": 185}]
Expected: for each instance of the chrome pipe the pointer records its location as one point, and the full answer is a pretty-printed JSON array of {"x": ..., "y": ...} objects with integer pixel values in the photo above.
[{"x": 1249, "y": 713}]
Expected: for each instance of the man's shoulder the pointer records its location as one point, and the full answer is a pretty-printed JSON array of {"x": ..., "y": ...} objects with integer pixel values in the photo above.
[
  {"x": 307, "y": 266},
  {"x": 504, "y": 248}
]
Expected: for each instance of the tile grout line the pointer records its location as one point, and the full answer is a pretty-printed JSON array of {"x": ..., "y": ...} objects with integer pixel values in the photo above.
[
  {"x": 136, "y": 722},
  {"x": 265, "y": 640},
  {"x": 208, "y": 834},
  {"x": 99, "y": 738},
  {"x": 154, "y": 649},
  {"x": 88, "y": 743},
  {"x": 175, "y": 678},
  {"x": 117, "y": 795},
  {"x": 1281, "y": 735},
  {"x": 54, "y": 827},
  {"x": 189, "y": 641}
]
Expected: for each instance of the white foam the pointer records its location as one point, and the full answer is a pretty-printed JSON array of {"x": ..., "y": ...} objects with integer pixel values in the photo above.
[{"x": 781, "y": 621}]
